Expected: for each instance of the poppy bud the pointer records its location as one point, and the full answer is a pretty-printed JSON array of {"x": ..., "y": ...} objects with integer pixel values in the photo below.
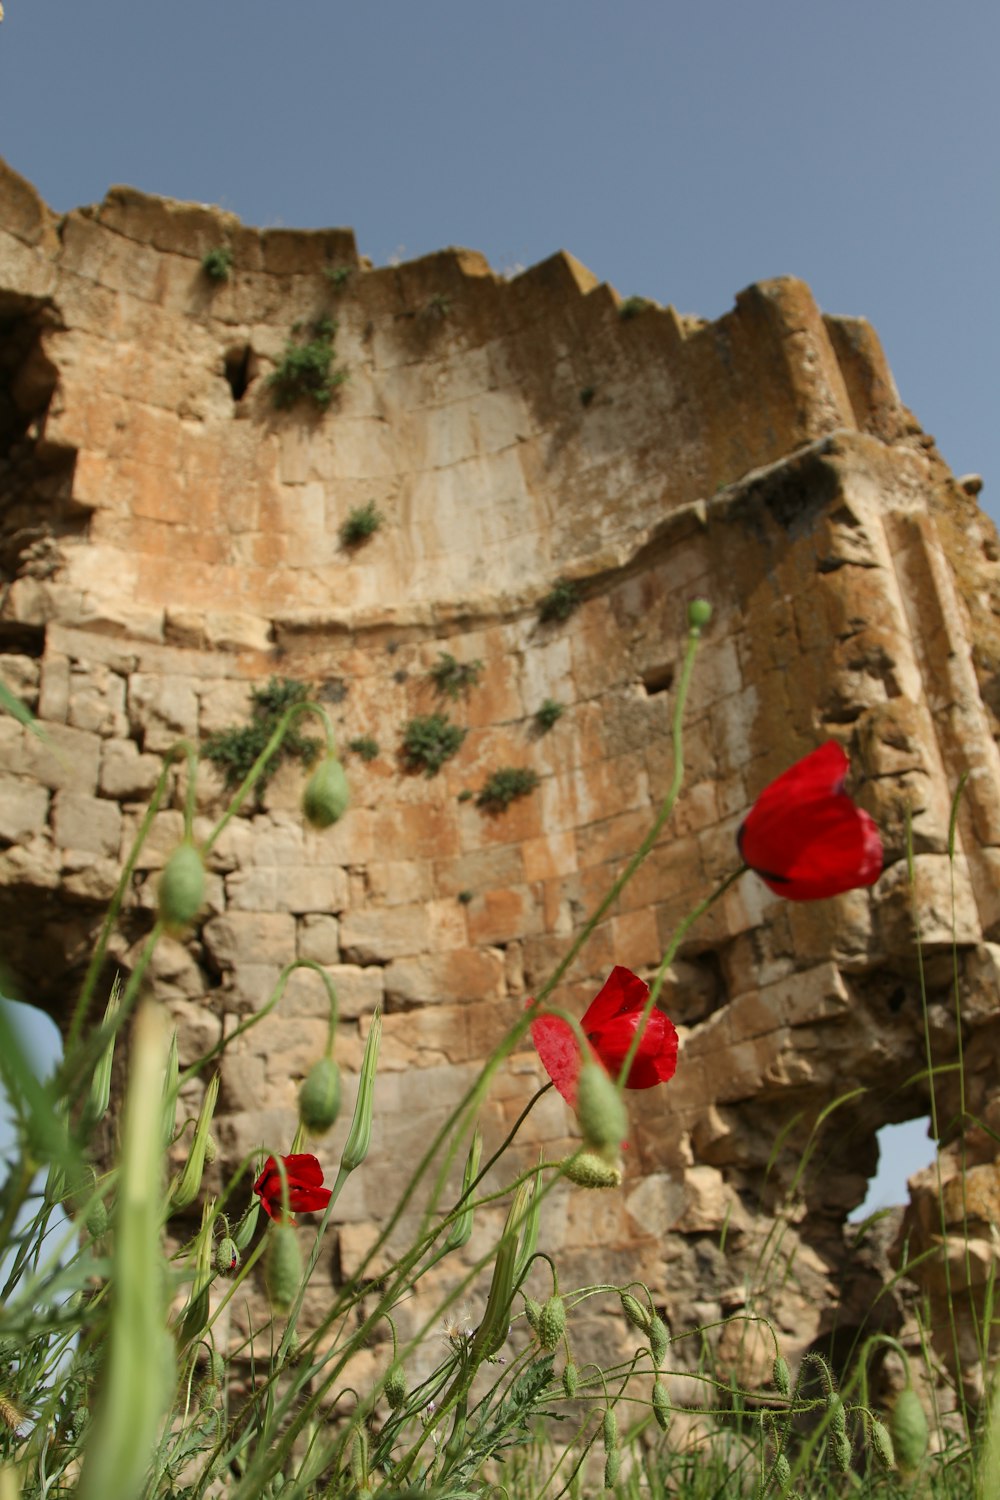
[
  {"x": 908, "y": 1429},
  {"x": 610, "y": 1430},
  {"x": 589, "y": 1170},
  {"x": 533, "y": 1313},
  {"x": 780, "y": 1377},
  {"x": 359, "y": 1137},
  {"x": 227, "y": 1257},
  {"x": 612, "y": 1464},
  {"x": 699, "y": 614},
  {"x": 245, "y": 1228},
  {"x": 551, "y": 1322},
  {"x": 319, "y": 1096},
  {"x": 211, "y": 1149},
  {"x": 602, "y": 1115},
  {"x": 327, "y": 794},
  {"x": 633, "y": 1309},
  {"x": 840, "y": 1451},
  {"x": 97, "y": 1219},
  {"x": 395, "y": 1387},
  {"x": 882, "y": 1443},
  {"x": 283, "y": 1267},
  {"x": 659, "y": 1340},
  {"x": 182, "y": 887},
  {"x": 782, "y": 1472},
  {"x": 838, "y": 1417},
  {"x": 661, "y": 1405},
  {"x": 569, "y": 1378}
]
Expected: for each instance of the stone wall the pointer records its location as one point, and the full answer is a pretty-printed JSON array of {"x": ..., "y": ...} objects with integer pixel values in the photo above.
[{"x": 170, "y": 541}]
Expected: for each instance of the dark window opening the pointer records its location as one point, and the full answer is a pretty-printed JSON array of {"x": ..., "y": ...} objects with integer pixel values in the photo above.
[
  {"x": 240, "y": 369},
  {"x": 658, "y": 680}
]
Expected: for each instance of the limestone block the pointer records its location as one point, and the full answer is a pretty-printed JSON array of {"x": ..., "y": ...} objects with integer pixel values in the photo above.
[
  {"x": 32, "y": 866},
  {"x": 162, "y": 710},
  {"x": 176, "y": 974},
  {"x": 127, "y": 774},
  {"x": 86, "y": 823},
  {"x": 165, "y": 833},
  {"x": 53, "y": 695},
  {"x": 24, "y": 809},
  {"x": 20, "y": 675},
  {"x": 656, "y": 1203},
  {"x": 250, "y": 937},
  {"x": 97, "y": 701},
  {"x": 460, "y": 975},
  {"x": 312, "y": 888},
  {"x": 374, "y": 936},
  {"x": 399, "y": 882},
  {"x": 90, "y": 879},
  {"x": 318, "y": 939},
  {"x": 931, "y": 897},
  {"x": 224, "y": 703},
  {"x": 500, "y": 916},
  {"x": 359, "y": 990},
  {"x": 67, "y": 759}
]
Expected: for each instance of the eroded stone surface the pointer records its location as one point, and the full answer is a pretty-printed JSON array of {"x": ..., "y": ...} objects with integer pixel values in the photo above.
[{"x": 174, "y": 541}]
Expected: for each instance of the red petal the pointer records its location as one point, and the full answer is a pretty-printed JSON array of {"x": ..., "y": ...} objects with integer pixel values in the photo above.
[
  {"x": 621, "y": 992},
  {"x": 656, "y": 1060},
  {"x": 307, "y": 1200},
  {"x": 304, "y": 1168},
  {"x": 560, "y": 1053}
]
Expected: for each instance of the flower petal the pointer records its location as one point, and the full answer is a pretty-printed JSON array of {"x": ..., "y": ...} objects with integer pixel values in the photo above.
[
  {"x": 621, "y": 993},
  {"x": 560, "y": 1053}
]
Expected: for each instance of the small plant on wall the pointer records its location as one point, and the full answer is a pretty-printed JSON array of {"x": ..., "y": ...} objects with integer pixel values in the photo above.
[
  {"x": 560, "y": 602},
  {"x": 633, "y": 306},
  {"x": 548, "y": 715},
  {"x": 217, "y": 263},
  {"x": 362, "y": 522},
  {"x": 430, "y": 740},
  {"x": 452, "y": 678},
  {"x": 306, "y": 369},
  {"x": 234, "y": 750},
  {"x": 504, "y": 786},
  {"x": 364, "y": 746}
]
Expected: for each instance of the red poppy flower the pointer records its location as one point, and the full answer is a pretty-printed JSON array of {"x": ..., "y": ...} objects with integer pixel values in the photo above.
[
  {"x": 804, "y": 836},
  {"x": 609, "y": 1025},
  {"x": 306, "y": 1193}
]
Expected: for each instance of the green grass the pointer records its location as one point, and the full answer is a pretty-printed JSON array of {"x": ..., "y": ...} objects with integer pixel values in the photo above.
[
  {"x": 236, "y": 749},
  {"x": 365, "y": 746},
  {"x": 452, "y": 678},
  {"x": 362, "y": 522},
  {"x": 506, "y": 785},
  {"x": 217, "y": 263},
  {"x": 560, "y": 602},
  {"x": 548, "y": 715}
]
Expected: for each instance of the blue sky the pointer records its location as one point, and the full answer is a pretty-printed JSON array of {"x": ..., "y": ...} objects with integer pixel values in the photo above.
[{"x": 680, "y": 148}]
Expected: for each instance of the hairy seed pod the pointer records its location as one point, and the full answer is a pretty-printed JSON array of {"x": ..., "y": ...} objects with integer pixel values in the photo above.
[
  {"x": 319, "y": 1096},
  {"x": 838, "y": 1417},
  {"x": 570, "y": 1378},
  {"x": 840, "y": 1451},
  {"x": 781, "y": 1377},
  {"x": 612, "y": 1463},
  {"x": 661, "y": 1405},
  {"x": 589, "y": 1170},
  {"x": 908, "y": 1429},
  {"x": 227, "y": 1257},
  {"x": 283, "y": 1266},
  {"x": 97, "y": 1219},
  {"x": 182, "y": 888},
  {"x": 551, "y": 1322},
  {"x": 532, "y": 1312},
  {"x": 782, "y": 1471},
  {"x": 634, "y": 1311},
  {"x": 659, "y": 1340},
  {"x": 882, "y": 1443},
  {"x": 395, "y": 1387},
  {"x": 610, "y": 1432}
]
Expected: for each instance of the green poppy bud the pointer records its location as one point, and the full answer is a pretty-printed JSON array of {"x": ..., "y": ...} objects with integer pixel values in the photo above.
[
  {"x": 612, "y": 1464},
  {"x": 780, "y": 1376},
  {"x": 838, "y": 1417},
  {"x": 533, "y": 1313},
  {"x": 661, "y": 1405},
  {"x": 551, "y": 1322},
  {"x": 97, "y": 1219},
  {"x": 395, "y": 1387},
  {"x": 589, "y": 1170},
  {"x": 243, "y": 1233},
  {"x": 600, "y": 1110},
  {"x": 570, "y": 1378},
  {"x": 227, "y": 1257},
  {"x": 840, "y": 1451},
  {"x": 283, "y": 1266},
  {"x": 182, "y": 887},
  {"x": 782, "y": 1472},
  {"x": 327, "y": 794},
  {"x": 882, "y": 1444},
  {"x": 610, "y": 1430},
  {"x": 908, "y": 1429},
  {"x": 699, "y": 614},
  {"x": 659, "y": 1340},
  {"x": 319, "y": 1096},
  {"x": 633, "y": 1309}
]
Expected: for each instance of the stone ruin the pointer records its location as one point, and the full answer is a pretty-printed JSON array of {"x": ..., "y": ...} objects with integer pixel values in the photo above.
[{"x": 171, "y": 540}]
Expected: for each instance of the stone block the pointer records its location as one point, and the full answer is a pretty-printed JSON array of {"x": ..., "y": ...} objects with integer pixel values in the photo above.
[
  {"x": 53, "y": 694},
  {"x": 24, "y": 809},
  {"x": 162, "y": 710},
  {"x": 318, "y": 938},
  {"x": 462, "y": 975},
  {"x": 250, "y": 937},
  {"x": 374, "y": 936},
  {"x": 97, "y": 701},
  {"x": 67, "y": 759},
  {"x": 127, "y": 774},
  {"x": 399, "y": 882},
  {"x": 312, "y": 888},
  {"x": 92, "y": 824}
]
